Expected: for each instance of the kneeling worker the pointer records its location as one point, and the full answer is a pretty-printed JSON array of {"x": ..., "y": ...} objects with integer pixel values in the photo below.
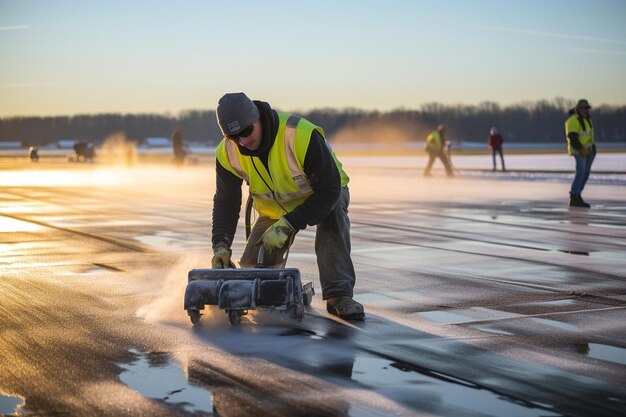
[{"x": 295, "y": 180}]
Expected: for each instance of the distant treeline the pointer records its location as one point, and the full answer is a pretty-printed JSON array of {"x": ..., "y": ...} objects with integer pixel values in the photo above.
[{"x": 539, "y": 122}]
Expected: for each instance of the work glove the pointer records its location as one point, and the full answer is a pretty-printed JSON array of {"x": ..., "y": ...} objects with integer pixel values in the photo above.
[
  {"x": 593, "y": 148},
  {"x": 277, "y": 236},
  {"x": 221, "y": 256},
  {"x": 584, "y": 152}
]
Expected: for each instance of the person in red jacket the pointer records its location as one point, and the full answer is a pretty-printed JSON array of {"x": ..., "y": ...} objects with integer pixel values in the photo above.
[{"x": 494, "y": 142}]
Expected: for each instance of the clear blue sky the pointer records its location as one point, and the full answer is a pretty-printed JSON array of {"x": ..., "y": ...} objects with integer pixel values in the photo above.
[{"x": 72, "y": 57}]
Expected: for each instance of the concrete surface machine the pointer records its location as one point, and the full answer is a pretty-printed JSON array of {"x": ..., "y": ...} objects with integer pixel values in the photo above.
[{"x": 238, "y": 290}]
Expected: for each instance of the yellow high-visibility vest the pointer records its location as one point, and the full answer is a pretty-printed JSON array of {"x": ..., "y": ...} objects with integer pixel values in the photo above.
[
  {"x": 285, "y": 186},
  {"x": 433, "y": 141},
  {"x": 584, "y": 130}
]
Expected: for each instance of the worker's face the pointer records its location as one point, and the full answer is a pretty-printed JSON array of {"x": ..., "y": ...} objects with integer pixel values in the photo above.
[
  {"x": 251, "y": 141},
  {"x": 584, "y": 111}
]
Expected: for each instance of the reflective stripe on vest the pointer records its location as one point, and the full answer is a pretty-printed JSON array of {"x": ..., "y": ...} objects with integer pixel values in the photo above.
[
  {"x": 233, "y": 158},
  {"x": 290, "y": 150}
]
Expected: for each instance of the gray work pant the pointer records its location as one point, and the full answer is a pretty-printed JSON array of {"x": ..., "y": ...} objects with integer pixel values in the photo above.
[
  {"x": 332, "y": 247},
  {"x": 432, "y": 155},
  {"x": 494, "y": 151}
]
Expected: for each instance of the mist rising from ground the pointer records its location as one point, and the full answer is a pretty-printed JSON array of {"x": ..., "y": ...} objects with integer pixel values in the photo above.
[
  {"x": 167, "y": 304},
  {"x": 118, "y": 149},
  {"x": 377, "y": 132}
]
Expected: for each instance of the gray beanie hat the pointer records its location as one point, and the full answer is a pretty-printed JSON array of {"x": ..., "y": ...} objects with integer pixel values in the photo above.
[{"x": 235, "y": 112}]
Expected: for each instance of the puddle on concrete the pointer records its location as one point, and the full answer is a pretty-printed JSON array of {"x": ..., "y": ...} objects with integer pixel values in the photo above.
[
  {"x": 159, "y": 377},
  {"x": 489, "y": 329},
  {"x": 607, "y": 353},
  {"x": 562, "y": 302},
  {"x": 557, "y": 324},
  {"x": 381, "y": 373},
  {"x": 301, "y": 332},
  {"x": 443, "y": 317},
  {"x": 10, "y": 405},
  {"x": 614, "y": 256},
  {"x": 173, "y": 240}
]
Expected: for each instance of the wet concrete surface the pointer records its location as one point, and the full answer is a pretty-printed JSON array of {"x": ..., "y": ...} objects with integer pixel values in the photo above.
[{"x": 484, "y": 297}]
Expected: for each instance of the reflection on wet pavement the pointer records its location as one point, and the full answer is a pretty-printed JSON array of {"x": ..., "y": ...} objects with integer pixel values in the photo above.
[
  {"x": 607, "y": 353},
  {"x": 382, "y": 374},
  {"x": 443, "y": 317},
  {"x": 446, "y": 262},
  {"x": 157, "y": 376},
  {"x": 10, "y": 225},
  {"x": 557, "y": 324},
  {"x": 491, "y": 329},
  {"x": 10, "y": 405},
  {"x": 573, "y": 252}
]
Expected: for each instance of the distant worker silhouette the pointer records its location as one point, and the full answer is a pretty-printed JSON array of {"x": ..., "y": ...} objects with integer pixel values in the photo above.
[
  {"x": 33, "y": 153},
  {"x": 435, "y": 146},
  {"x": 85, "y": 150},
  {"x": 580, "y": 145},
  {"x": 178, "y": 146},
  {"x": 495, "y": 142}
]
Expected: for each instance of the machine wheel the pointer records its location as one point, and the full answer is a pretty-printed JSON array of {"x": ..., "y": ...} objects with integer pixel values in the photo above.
[
  {"x": 307, "y": 293},
  {"x": 194, "y": 315},
  {"x": 234, "y": 317},
  {"x": 307, "y": 297},
  {"x": 297, "y": 312}
]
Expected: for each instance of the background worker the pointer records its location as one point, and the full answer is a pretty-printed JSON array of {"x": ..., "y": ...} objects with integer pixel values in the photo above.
[
  {"x": 435, "y": 147},
  {"x": 33, "y": 153},
  {"x": 295, "y": 180},
  {"x": 494, "y": 142},
  {"x": 580, "y": 145},
  {"x": 178, "y": 146}
]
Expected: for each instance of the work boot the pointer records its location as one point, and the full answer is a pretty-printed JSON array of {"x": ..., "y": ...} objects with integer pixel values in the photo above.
[
  {"x": 575, "y": 200},
  {"x": 585, "y": 204},
  {"x": 345, "y": 307}
]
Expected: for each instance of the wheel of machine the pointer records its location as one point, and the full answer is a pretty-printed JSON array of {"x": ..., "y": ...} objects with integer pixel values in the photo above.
[
  {"x": 298, "y": 312},
  {"x": 307, "y": 297},
  {"x": 234, "y": 317},
  {"x": 194, "y": 315}
]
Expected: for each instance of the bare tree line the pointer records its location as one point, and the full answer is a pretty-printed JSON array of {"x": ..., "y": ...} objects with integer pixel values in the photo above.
[{"x": 539, "y": 122}]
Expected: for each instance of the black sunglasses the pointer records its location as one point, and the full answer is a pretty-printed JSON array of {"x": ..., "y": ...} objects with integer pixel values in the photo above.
[{"x": 242, "y": 134}]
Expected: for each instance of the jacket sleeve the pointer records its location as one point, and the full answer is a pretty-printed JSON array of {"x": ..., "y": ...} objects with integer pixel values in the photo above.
[
  {"x": 323, "y": 175},
  {"x": 572, "y": 128},
  {"x": 573, "y": 140},
  {"x": 226, "y": 205}
]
